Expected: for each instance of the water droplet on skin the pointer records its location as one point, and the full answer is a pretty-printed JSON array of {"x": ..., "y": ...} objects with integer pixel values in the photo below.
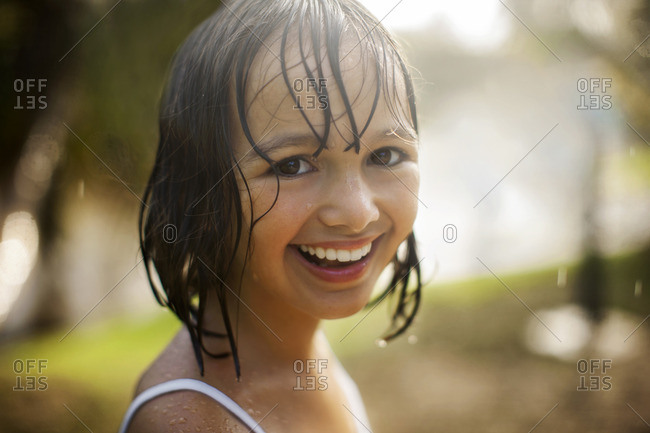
[{"x": 182, "y": 420}]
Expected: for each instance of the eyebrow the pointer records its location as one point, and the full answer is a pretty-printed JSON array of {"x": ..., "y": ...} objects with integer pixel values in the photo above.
[{"x": 283, "y": 141}]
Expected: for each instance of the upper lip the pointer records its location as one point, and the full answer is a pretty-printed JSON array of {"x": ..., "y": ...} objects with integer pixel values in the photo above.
[{"x": 349, "y": 244}]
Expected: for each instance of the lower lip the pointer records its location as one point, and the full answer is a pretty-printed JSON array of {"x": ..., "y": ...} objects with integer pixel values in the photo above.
[{"x": 337, "y": 275}]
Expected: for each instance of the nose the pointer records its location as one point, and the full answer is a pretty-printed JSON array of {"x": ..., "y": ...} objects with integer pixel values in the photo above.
[{"x": 349, "y": 203}]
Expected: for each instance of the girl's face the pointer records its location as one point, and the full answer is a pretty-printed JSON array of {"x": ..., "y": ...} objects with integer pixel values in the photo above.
[{"x": 340, "y": 217}]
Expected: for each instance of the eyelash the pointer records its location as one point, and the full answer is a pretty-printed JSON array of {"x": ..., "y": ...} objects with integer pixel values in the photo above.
[
  {"x": 300, "y": 159},
  {"x": 401, "y": 156}
]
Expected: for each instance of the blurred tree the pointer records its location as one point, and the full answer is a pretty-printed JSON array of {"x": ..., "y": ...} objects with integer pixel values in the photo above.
[
  {"x": 632, "y": 77},
  {"x": 33, "y": 36},
  {"x": 105, "y": 65}
]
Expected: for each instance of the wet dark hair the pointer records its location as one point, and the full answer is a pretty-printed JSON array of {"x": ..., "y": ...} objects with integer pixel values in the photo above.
[{"x": 191, "y": 220}]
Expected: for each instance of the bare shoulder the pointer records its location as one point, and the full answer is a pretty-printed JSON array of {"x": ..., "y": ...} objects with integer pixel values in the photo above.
[{"x": 182, "y": 411}]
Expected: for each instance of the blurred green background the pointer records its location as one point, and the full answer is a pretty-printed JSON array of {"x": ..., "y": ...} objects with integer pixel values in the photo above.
[{"x": 546, "y": 185}]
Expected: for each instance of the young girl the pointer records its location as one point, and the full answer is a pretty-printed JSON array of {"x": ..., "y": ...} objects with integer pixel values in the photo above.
[{"x": 287, "y": 175}]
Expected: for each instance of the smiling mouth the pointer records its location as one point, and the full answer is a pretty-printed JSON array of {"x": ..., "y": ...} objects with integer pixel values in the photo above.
[{"x": 333, "y": 257}]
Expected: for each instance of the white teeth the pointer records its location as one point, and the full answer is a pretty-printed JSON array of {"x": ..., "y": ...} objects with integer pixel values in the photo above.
[
  {"x": 343, "y": 255},
  {"x": 336, "y": 254}
]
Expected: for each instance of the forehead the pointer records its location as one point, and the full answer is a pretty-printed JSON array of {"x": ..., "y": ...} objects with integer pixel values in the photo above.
[{"x": 296, "y": 87}]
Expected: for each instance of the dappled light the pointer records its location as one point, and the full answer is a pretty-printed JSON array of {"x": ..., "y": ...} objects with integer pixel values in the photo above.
[{"x": 18, "y": 252}]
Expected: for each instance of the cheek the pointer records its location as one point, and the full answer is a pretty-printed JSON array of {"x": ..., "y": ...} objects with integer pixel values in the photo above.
[
  {"x": 399, "y": 198},
  {"x": 260, "y": 193},
  {"x": 279, "y": 225}
]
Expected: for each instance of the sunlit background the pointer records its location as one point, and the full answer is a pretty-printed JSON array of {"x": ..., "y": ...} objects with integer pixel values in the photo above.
[{"x": 534, "y": 224}]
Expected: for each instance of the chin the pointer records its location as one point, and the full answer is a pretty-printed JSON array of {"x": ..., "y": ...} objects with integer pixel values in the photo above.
[{"x": 342, "y": 309}]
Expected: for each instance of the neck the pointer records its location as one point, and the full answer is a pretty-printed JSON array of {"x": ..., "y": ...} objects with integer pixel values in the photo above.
[{"x": 268, "y": 332}]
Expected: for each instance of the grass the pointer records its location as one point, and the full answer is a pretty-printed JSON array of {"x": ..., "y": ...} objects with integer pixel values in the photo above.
[
  {"x": 91, "y": 373},
  {"x": 119, "y": 343}
]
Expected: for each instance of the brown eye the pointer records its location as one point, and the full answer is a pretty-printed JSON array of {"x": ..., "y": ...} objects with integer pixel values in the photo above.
[
  {"x": 292, "y": 167},
  {"x": 386, "y": 157}
]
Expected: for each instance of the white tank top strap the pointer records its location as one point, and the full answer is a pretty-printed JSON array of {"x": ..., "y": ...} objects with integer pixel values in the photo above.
[{"x": 189, "y": 385}]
